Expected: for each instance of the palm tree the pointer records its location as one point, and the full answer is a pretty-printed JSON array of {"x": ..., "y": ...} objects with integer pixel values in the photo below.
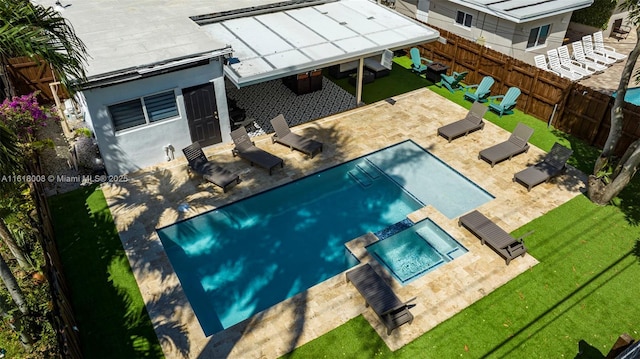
[{"x": 41, "y": 33}]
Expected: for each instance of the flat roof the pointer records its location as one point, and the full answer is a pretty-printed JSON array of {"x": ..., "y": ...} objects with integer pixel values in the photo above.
[
  {"x": 121, "y": 35},
  {"x": 279, "y": 43},
  {"x": 520, "y": 11}
]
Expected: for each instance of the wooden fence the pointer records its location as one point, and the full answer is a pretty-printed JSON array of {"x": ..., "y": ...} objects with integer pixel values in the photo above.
[
  {"x": 26, "y": 75},
  {"x": 570, "y": 107}
]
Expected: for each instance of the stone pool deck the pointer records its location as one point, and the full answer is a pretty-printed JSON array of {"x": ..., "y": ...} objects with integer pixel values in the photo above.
[{"x": 151, "y": 199}]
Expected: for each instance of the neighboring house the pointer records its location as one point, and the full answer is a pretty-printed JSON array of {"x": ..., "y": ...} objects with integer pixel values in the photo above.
[
  {"x": 518, "y": 28},
  {"x": 157, "y": 69}
]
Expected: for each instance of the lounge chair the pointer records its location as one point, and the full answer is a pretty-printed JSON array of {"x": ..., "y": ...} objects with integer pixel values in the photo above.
[
  {"x": 575, "y": 66},
  {"x": 578, "y": 55},
  {"x": 482, "y": 90},
  {"x": 553, "y": 164},
  {"x": 213, "y": 173},
  {"x": 247, "y": 150},
  {"x": 378, "y": 294},
  {"x": 515, "y": 145},
  {"x": 600, "y": 47},
  {"x": 472, "y": 122},
  {"x": 294, "y": 141},
  {"x": 494, "y": 236},
  {"x": 452, "y": 82},
  {"x": 541, "y": 63},
  {"x": 555, "y": 65},
  {"x": 418, "y": 64},
  {"x": 590, "y": 53},
  {"x": 507, "y": 102}
]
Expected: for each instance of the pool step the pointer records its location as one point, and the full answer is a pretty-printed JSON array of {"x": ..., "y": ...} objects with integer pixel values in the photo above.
[
  {"x": 370, "y": 169},
  {"x": 360, "y": 177}
]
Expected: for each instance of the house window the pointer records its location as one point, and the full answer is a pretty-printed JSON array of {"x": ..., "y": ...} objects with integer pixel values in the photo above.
[
  {"x": 464, "y": 19},
  {"x": 538, "y": 36},
  {"x": 144, "y": 110}
]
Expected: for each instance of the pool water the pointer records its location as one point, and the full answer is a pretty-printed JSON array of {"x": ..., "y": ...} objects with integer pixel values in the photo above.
[
  {"x": 632, "y": 96},
  {"x": 415, "y": 251},
  {"x": 240, "y": 259}
]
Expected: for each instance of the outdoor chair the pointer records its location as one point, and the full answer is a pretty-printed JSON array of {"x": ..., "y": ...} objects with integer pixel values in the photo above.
[
  {"x": 284, "y": 136},
  {"x": 620, "y": 31},
  {"x": 541, "y": 63},
  {"x": 578, "y": 55},
  {"x": 600, "y": 47},
  {"x": 495, "y": 237},
  {"x": 555, "y": 65},
  {"x": 472, "y": 122},
  {"x": 247, "y": 150},
  {"x": 575, "y": 66},
  {"x": 591, "y": 53},
  {"x": 517, "y": 143},
  {"x": 507, "y": 102},
  {"x": 482, "y": 90},
  {"x": 211, "y": 172},
  {"x": 418, "y": 63},
  {"x": 452, "y": 82},
  {"x": 380, "y": 296},
  {"x": 553, "y": 164}
]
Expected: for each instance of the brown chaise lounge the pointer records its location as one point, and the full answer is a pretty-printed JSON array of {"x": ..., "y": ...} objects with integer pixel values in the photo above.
[
  {"x": 495, "y": 237},
  {"x": 213, "y": 173},
  {"x": 378, "y": 294},
  {"x": 294, "y": 141},
  {"x": 553, "y": 164},
  {"x": 515, "y": 145},
  {"x": 247, "y": 150},
  {"x": 472, "y": 122}
]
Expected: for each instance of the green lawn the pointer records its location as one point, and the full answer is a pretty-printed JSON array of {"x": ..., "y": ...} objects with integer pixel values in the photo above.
[
  {"x": 584, "y": 291},
  {"x": 111, "y": 316}
]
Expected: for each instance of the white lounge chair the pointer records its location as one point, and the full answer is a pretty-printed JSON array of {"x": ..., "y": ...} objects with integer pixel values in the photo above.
[
  {"x": 541, "y": 63},
  {"x": 578, "y": 55},
  {"x": 599, "y": 46},
  {"x": 590, "y": 52},
  {"x": 555, "y": 65},
  {"x": 575, "y": 66}
]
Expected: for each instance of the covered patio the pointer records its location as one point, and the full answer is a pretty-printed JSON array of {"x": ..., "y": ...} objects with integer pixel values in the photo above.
[{"x": 152, "y": 198}]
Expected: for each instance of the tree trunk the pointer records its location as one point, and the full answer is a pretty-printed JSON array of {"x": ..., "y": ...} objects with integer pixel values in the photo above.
[
  {"x": 7, "y": 237},
  {"x": 601, "y": 193},
  {"x": 12, "y": 286},
  {"x": 25, "y": 338},
  {"x": 15, "y": 292},
  {"x": 615, "y": 131}
]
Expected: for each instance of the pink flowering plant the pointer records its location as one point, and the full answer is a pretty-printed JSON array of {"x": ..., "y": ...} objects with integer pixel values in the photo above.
[{"x": 23, "y": 115}]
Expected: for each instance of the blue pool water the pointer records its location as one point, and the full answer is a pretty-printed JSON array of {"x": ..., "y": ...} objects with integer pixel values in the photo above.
[
  {"x": 416, "y": 250},
  {"x": 240, "y": 259},
  {"x": 632, "y": 95}
]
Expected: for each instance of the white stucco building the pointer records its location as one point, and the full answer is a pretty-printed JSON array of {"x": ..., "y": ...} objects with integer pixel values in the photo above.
[{"x": 156, "y": 71}]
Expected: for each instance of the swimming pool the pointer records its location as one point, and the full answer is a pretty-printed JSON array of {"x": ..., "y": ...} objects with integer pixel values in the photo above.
[
  {"x": 632, "y": 96},
  {"x": 240, "y": 259},
  {"x": 416, "y": 250}
]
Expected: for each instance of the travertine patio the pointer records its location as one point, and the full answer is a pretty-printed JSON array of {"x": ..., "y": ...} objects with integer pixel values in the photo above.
[{"x": 152, "y": 197}]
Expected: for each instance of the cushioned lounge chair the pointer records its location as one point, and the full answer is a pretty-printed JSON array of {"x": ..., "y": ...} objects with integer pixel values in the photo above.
[
  {"x": 284, "y": 136},
  {"x": 515, "y": 145},
  {"x": 452, "y": 82},
  {"x": 213, "y": 173},
  {"x": 472, "y": 122},
  {"x": 418, "y": 64},
  {"x": 247, "y": 150},
  {"x": 507, "y": 102},
  {"x": 481, "y": 92},
  {"x": 378, "y": 294},
  {"x": 494, "y": 236},
  {"x": 553, "y": 164}
]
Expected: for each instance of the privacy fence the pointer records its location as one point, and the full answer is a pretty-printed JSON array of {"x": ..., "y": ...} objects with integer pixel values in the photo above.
[{"x": 570, "y": 107}]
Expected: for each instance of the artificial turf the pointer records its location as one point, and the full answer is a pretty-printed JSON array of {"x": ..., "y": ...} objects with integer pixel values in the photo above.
[{"x": 112, "y": 319}]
